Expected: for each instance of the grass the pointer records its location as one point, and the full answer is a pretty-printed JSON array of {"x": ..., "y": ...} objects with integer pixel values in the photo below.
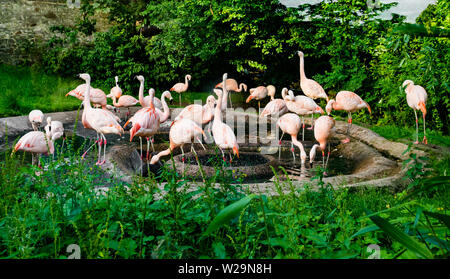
[{"x": 25, "y": 89}]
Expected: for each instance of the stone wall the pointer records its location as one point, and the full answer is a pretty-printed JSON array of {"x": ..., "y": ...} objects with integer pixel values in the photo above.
[{"x": 28, "y": 21}]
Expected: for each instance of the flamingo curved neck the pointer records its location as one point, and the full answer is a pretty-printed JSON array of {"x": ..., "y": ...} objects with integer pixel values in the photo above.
[
  {"x": 166, "y": 109},
  {"x": 87, "y": 97},
  {"x": 186, "y": 81},
  {"x": 141, "y": 93},
  {"x": 302, "y": 69}
]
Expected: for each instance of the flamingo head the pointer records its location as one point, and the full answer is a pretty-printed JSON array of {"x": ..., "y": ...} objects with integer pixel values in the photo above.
[
  {"x": 284, "y": 92},
  {"x": 189, "y": 77},
  {"x": 312, "y": 153},
  {"x": 165, "y": 94},
  {"x": 134, "y": 130},
  {"x": 86, "y": 77},
  {"x": 271, "y": 90},
  {"x": 329, "y": 106},
  {"x": 406, "y": 83},
  {"x": 236, "y": 150},
  {"x": 303, "y": 156},
  {"x": 116, "y": 78},
  {"x": 319, "y": 110},
  {"x": 225, "y": 76},
  {"x": 211, "y": 101},
  {"x": 140, "y": 78},
  {"x": 218, "y": 92},
  {"x": 300, "y": 54}
]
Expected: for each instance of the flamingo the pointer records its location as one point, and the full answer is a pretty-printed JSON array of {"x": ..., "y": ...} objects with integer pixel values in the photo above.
[
  {"x": 323, "y": 129},
  {"x": 116, "y": 90},
  {"x": 258, "y": 93},
  {"x": 36, "y": 118},
  {"x": 224, "y": 136},
  {"x": 350, "y": 102},
  {"x": 416, "y": 97},
  {"x": 181, "y": 87},
  {"x": 98, "y": 97},
  {"x": 57, "y": 129},
  {"x": 99, "y": 120},
  {"x": 232, "y": 85},
  {"x": 164, "y": 113},
  {"x": 275, "y": 106},
  {"x": 145, "y": 124},
  {"x": 301, "y": 105},
  {"x": 124, "y": 101},
  {"x": 37, "y": 142},
  {"x": 182, "y": 132},
  {"x": 198, "y": 113},
  {"x": 290, "y": 123}
]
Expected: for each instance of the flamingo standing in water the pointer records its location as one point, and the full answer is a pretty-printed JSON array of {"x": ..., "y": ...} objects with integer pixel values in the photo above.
[
  {"x": 37, "y": 142},
  {"x": 198, "y": 113},
  {"x": 323, "y": 129},
  {"x": 224, "y": 136},
  {"x": 232, "y": 85},
  {"x": 301, "y": 105},
  {"x": 99, "y": 120},
  {"x": 57, "y": 129},
  {"x": 183, "y": 131},
  {"x": 145, "y": 124},
  {"x": 416, "y": 97},
  {"x": 36, "y": 118},
  {"x": 181, "y": 87},
  {"x": 350, "y": 102},
  {"x": 258, "y": 93},
  {"x": 290, "y": 123},
  {"x": 275, "y": 107}
]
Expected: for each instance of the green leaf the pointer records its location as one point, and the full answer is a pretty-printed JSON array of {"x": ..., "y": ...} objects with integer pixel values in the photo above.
[
  {"x": 441, "y": 217},
  {"x": 229, "y": 213},
  {"x": 400, "y": 236},
  {"x": 365, "y": 230}
]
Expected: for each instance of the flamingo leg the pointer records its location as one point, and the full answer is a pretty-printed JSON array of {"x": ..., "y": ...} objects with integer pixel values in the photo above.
[
  {"x": 279, "y": 146},
  {"x": 303, "y": 127},
  {"x": 425, "y": 141},
  {"x": 223, "y": 154},
  {"x": 199, "y": 141},
  {"x": 179, "y": 94},
  {"x": 349, "y": 125},
  {"x": 293, "y": 151},
  {"x": 229, "y": 97},
  {"x": 104, "y": 149},
  {"x": 99, "y": 150},
  {"x": 140, "y": 141},
  {"x": 84, "y": 154},
  {"x": 153, "y": 139},
  {"x": 328, "y": 157},
  {"x": 417, "y": 128},
  {"x": 148, "y": 148}
]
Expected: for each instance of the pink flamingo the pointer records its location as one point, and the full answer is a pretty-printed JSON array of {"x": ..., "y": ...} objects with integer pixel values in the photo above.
[
  {"x": 198, "y": 113},
  {"x": 165, "y": 113},
  {"x": 37, "y": 142},
  {"x": 290, "y": 123},
  {"x": 57, "y": 129},
  {"x": 223, "y": 135},
  {"x": 145, "y": 124},
  {"x": 301, "y": 105},
  {"x": 99, "y": 120},
  {"x": 183, "y": 131},
  {"x": 258, "y": 93},
  {"x": 232, "y": 85},
  {"x": 181, "y": 87},
  {"x": 416, "y": 97},
  {"x": 310, "y": 87},
  {"x": 124, "y": 101},
  {"x": 323, "y": 129},
  {"x": 98, "y": 97},
  {"x": 36, "y": 118},
  {"x": 350, "y": 102},
  {"x": 275, "y": 107},
  {"x": 116, "y": 90}
]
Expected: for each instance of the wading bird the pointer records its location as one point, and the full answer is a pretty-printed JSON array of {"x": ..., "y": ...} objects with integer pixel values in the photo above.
[
  {"x": 99, "y": 120},
  {"x": 37, "y": 142},
  {"x": 57, "y": 129},
  {"x": 126, "y": 101},
  {"x": 145, "y": 123},
  {"x": 36, "y": 118},
  {"x": 416, "y": 97},
  {"x": 323, "y": 130},
  {"x": 183, "y": 131},
  {"x": 290, "y": 124},
  {"x": 198, "y": 113},
  {"x": 258, "y": 94},
  {"x": 116, "y": 90},
  {"x": 276, "y": 107},
  {"x": 350, "y": 102},
  {"x": 181, "y": 87},
  {"x": 98, "y": 97},
  {"x": 232, "y": 85},
  {"x": 223, "y": 135}
]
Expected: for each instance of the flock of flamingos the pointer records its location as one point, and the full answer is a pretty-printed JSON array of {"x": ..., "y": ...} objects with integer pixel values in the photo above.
[{"x": 187, "y": 126}]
